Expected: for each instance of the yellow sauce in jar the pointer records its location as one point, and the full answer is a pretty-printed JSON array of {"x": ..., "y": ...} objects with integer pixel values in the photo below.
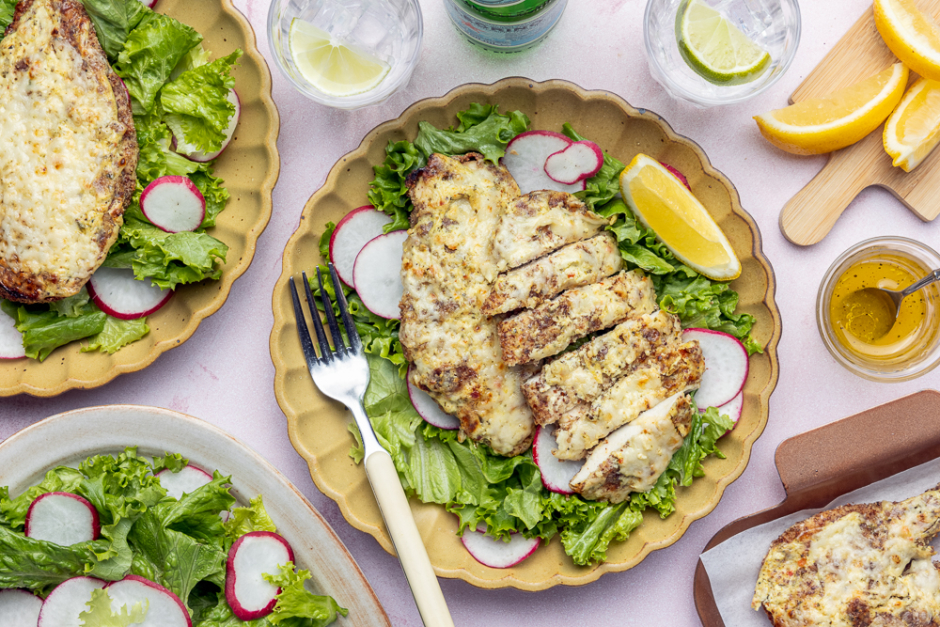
[{"x": 861, "y": 320}]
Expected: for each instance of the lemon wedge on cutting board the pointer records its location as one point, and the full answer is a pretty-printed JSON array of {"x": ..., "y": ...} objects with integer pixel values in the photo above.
[
  {"x": 912, "y": 36},
  {"x": 662, "y": 203},
  {"x": 913, "y": 129},
  {"x": 715, "y": 48},
  {"x": 332, "y": 66},
  {"x": 825, "y": 124}
]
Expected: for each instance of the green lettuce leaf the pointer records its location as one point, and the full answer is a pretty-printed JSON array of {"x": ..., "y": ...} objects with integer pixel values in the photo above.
[
  {"x": 114, "y": 20},
  {"x": 40, "y": 565},
  {"x": 171, "y": 259},
  {"x": 99, "y": 613},
  {"x": 155, "y": 157},
  {"x": 6, "y": 14},
  {"x": 197, "y": 513},
  {"x": 215, "y": 195},
  {"x": 60, "y": 479},
  {"x": 482, "y": 129},
  {"x": 72, "y": 306},
  {"x": 196, "y": 105},
  {"x": 247, "y": 519},
  {"x": 150, "y": 53},
  {"x": 44, "y": 330},
  {"x": 117, "y": 334},
  {"x": 296, "y": 606},
  {"x": 388, "y": 191}
]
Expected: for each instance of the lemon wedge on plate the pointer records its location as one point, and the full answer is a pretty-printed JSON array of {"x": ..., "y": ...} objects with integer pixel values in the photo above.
[
  {"x": 825, "y": 124},
  {"x": 662, "y": 203},
  {"x": 913, "y": 129},
  {"x": 715, "y": 48},
  {"x": 333, "y": 67},
  {"x": 911, "y": 35}
]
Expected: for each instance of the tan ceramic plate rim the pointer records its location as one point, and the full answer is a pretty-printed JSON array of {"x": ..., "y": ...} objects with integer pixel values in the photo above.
[
  {"x": 108, "y": 428},
  {"x": 224, "y": 285},
  {"x": 284, "y": 313}
]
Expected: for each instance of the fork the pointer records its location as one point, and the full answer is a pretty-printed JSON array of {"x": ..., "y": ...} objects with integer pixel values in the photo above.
[{"x": 343, "y": 375}]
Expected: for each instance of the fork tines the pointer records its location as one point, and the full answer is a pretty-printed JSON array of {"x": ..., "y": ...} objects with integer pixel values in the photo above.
[{"x": 326, "y": 353}]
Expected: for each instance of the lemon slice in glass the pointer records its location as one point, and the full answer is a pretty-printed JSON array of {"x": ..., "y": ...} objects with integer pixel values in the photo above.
[
  {"x": 913, "y": 129},
  {"x": 715, "y": 48},
  {"x": 662, "y": 203},
  {"x": 333, "y": 67}
]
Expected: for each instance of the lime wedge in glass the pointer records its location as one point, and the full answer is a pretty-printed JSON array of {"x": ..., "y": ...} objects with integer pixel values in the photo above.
[
  {"x": 331, "y": 66},
  {"x": 715, "y": 48}
]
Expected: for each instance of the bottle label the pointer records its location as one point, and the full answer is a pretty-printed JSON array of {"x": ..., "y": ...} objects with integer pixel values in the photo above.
[{"x": 505, "y": 35}]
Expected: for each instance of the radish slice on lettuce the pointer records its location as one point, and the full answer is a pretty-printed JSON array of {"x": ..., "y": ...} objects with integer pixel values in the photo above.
[
  {"x": 249, "y": 594},
  {"x": 11, "y": 340},
  {"x": 203, "y": 157},
  {"x": 164, "y": 608},
  {"x": 149, "y": 3},
  {"x": 525, "y": 159},
  {"x": 183, "y": 482},
  {"x": 733, "y": 408},
  {"x": 62, "y": 518},
  {"x": 67, "y": 601},
  {"x": 726, "y": 366},
  {"x": 556, "y": 473},
  {"x": 497, "y": 553},
  {"x": 579, "y": 161},
  {"x": 173, "y": 204},
  {"x": 428, "y": 408},
  {"x": 355, "y": 230},
  {"x": 19, "y": 608},
  {"x": 119, "y": 294},
  {"x": 377, "y": 274}
]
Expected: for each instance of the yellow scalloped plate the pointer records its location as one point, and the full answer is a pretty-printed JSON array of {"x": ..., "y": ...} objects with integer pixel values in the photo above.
[
  {"x": 317, "y": 425},
  {"x": 249, "y": 166}
]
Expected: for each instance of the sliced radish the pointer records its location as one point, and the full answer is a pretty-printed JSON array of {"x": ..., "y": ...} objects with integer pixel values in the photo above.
[
  {"x": 428, "y": 408},
  {"x": 174, "y": 204},
  {"x": 63, "y": 518},
  {"x": 119, "y": 294},
  {"x": 497, "y": 553},
  {"x": 556, "y": 473},
  {"x": 149, "y": 3},
  {"x": 726, "y": 366},
  {"x": 203, "y": 157},
  {"x": 183, "y": 482},
  {"x": 67, "y": 601},
  {"x": 253, "y": 555},
  {"x": 11, "y": 340},
  {"x": 525, "y": 159},
  {"x": 579, "y": 161},
  {"x": 733, "y": 408},
  {"x": 164, "y": 608},
  {"x": 354, "y": 231},
  {"x": 19, "y": 608},
  {"x": 377, "y": 274},
  {"x": 679, "y": 175}
]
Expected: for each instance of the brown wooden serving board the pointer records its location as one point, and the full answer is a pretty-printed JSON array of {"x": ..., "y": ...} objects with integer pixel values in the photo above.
[
  {"x": 811, "y": 213},
  {"x": 820, "y": 465}
]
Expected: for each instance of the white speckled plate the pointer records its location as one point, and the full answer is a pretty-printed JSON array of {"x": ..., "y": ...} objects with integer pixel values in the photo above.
[{"x": 69, "y": 438}]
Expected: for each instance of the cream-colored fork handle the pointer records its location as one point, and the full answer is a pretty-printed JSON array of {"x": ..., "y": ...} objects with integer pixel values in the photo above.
[{"x": 411, "y": 551}]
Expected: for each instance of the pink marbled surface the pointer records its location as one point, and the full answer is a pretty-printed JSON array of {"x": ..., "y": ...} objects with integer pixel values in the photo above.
[{"x": 224, "y": 374}]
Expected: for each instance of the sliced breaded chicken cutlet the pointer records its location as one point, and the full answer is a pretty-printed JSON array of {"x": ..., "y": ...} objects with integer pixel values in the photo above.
[
  {"x": 448, "y": 267},
  {"x": 68, "y": 152}
]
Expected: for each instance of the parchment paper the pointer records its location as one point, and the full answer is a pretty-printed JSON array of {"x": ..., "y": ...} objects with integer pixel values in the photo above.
[{"x": 733, "y": 565}]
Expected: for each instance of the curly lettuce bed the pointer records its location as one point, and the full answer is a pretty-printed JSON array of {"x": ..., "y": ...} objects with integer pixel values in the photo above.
[{"x": 468, "y": 479}]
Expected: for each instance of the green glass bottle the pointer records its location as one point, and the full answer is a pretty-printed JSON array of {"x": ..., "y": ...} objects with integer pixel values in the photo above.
[{"x": 505, "y": 25}]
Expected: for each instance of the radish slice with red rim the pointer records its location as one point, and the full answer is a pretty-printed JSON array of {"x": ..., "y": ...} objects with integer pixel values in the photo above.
[
  {"x": 726, "y": 366},
  {"x": 733, "y": 408},
  {"x": 253, "y": 555},
  {"x": 19, "y": 608},
  {"x": 355, "y": 230},
  {"x": 119, "y": 294},
  {"x": 556, "y": 473},
  {"x": 62, "y": 518},
  {"x": 377, "y": 274},
  {"x": 183, "y": 482},
  {"x": 204, "y": 157},
  {"x": 679, "y": 175},
  {"x": 164, "y": 608},
  {"x": 173, "y": 204},
  {"x": 11, "y": 340},
  {"x": 67, "y": 601},
  {"x": 579, "y": 161},
  {"x": 428, "y": 408},
  {"x": 497, "y": 553},
  {"x": 525, "y": 159}
]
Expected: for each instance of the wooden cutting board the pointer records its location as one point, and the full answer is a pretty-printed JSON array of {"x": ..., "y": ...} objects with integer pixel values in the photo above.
[
  {"x": 820, "y": 465},
  {"x": 811, "y": 213}
]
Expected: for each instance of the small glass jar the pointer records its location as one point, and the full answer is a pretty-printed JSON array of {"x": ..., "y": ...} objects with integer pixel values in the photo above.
[
  {"x": 505, "y": 25},
  {"x": 912, "y": 351}
]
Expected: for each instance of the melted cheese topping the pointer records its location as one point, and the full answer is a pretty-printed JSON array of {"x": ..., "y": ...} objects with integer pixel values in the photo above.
[{"x": 58, "y": 135}]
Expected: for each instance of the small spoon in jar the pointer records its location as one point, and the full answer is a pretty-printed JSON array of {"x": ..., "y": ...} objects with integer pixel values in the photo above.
[{"x": 890, "y": 300}]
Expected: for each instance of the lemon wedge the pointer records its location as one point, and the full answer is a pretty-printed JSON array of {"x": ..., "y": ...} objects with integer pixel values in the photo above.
[
  {"x": 913, "y": 129},
  {"x": 331, "y": 66},
  {"x": 825, "y": 124},
  {"x": 715, "y": 48},
  {"x": 911, "y": 35},
  {"x": 662, "y": 203}
]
